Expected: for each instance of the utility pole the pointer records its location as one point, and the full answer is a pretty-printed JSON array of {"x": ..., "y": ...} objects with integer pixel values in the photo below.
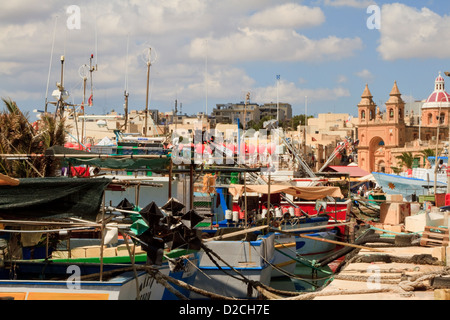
[
  {"x": 247, "y": 99},
  {"x": 146, "y": 99},
  {"x": 148, "y": 61}
]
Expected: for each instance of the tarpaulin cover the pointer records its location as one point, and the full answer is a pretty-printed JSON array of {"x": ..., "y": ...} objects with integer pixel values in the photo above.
[
  {"x": 44, "y": 198},
  {"x": 307, "y": 193},
  {"x": 106, "y": 161},
  {"x": 119, "y": 163}
]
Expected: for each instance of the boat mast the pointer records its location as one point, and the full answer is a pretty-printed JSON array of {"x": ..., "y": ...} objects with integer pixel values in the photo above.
[
  {"x": 126, "y": 94},
  {"x": 149, "y": 63},
  {"x": 50, "y": 65}
]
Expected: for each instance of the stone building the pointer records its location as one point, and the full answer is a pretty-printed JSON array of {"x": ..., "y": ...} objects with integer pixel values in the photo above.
[{"x": 384, "y": 136}]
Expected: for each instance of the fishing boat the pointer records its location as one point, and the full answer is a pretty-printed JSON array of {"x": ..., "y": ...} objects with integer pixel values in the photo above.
[
  {"x": 78, "y": 278},
  {"x": 235, "y": 264},
  {"x": 416, "y": 182},
  {"x": 55, "y": 208},
  {"x": 312, "y": 218}
]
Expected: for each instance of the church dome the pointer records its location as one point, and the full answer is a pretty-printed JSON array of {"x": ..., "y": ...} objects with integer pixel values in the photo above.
[{"x": 439, "y": 97}]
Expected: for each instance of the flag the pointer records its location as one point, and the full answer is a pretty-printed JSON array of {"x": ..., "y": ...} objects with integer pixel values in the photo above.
[{"x": 90, "y": 101}]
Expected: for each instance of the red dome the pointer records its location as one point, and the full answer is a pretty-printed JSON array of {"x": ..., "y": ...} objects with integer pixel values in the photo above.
[
  {"x": 439, "y": 79},
  {"x": 439, "y": 96}
]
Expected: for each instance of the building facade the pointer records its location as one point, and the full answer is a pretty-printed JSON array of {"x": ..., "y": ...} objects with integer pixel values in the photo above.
[
  {"x": 385, "y": 136},
  {"x": 231, "y": 112}
]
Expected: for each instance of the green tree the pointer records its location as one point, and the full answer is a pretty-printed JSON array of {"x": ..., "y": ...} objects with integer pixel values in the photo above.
[
  {"x": 18, "y": 136},
  {"x": 406, "y": 159}
]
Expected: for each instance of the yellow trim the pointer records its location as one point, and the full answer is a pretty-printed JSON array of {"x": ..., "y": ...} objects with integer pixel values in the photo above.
[
  {"x": 285, "y": 245},
  {"x": 286, "y": 263},
  {"x": 15, "y": 295},
  {"x": 67, "y": 296}
]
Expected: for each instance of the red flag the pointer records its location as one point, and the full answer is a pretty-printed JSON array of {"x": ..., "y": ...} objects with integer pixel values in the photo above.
[{"x": 90, "y": 101}]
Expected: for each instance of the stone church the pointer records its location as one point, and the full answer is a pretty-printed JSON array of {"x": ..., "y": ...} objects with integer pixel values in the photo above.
[{"x": 384, "y": 136}]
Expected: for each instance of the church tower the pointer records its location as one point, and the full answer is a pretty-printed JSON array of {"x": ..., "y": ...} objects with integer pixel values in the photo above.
[
  {"x": 366, "y": 107},
  {"x": 395, "y": 106},
  {"x": 395, "y": 112},
  {"x": 378, "y": 135}
]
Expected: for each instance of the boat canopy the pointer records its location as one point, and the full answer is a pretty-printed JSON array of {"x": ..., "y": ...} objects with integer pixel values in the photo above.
[
  {"x": 115, "y": 162},
  {"x": 307, "y": 193},
  {"x": 43, "y": 198}
]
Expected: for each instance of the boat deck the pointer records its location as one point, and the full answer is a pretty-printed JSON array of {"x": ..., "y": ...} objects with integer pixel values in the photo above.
[{"x": 388, "y": 275}]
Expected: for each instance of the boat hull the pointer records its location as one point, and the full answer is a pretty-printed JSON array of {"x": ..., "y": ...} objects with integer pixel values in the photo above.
[
  {"x": 252, "y": 259},
  {"x": 26, "y": 284},
  {"x": 406, "y": 186}
]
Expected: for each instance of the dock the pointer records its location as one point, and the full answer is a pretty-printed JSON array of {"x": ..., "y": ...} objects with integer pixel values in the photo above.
[{"x": 399, "y": 273}]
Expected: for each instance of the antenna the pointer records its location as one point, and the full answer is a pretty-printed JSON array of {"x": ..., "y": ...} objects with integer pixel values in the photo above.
[
  {"x": 126, "y": 94},
  {"x": 206, "y": 78},
  {"x": 83, "y": 71},
  {"x": 50, "y": 65},
  {"x": 96, "y": 45},
  {"x": 91, "y": 70},
  {"x": 149, "y": 57}
]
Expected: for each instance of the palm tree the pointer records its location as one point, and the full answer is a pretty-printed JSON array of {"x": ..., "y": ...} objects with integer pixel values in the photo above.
[
  {"x": 18, "y": 136},
  {"x": 428, "y": 153},
  {"x": 406, "y": 159}
]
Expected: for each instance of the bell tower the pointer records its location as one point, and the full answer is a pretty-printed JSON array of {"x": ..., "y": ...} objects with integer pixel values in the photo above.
[
  {"x": 366, "y": 107},
  {"x": 395, "y": 106}
]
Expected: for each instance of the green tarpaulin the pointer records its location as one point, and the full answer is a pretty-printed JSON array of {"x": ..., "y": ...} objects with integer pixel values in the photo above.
[
  {"x": 119, "y": 163},
  {"x": 44, "y": 198}
]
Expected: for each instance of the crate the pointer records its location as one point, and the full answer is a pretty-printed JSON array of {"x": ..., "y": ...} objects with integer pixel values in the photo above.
[{"x": 433, "y": 236}]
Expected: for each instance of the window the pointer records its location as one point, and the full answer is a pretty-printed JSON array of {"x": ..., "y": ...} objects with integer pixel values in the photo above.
[
  {"x": 391, "y": 113},
  {"x": 363, "y": 114}
]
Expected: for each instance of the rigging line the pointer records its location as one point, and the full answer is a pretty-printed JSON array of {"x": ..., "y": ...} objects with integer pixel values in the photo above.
[
  {"x": 50, "y": 65},
  {"x": 46, "y": 231},
  {"x": 290, "y": 275}
]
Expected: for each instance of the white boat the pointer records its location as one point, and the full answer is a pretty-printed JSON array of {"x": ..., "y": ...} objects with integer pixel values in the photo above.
[
  {"x": 70, "y": 286},
  {"x": 418, "y": 181},
  {"x": 252, "y": 259}
]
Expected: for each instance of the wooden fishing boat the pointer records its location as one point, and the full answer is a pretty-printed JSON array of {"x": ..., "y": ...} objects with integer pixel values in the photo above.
[
  {"x": 78, "y": 278},
  {"x": 240, "y": 261}
]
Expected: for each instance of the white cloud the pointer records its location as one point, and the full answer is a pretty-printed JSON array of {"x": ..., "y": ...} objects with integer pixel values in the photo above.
[
  {"x": 349, "y": 3},
  {"x": 290, "y": 15},
  {"x": 342, "y": 79},
  {"x": 289, "y": 92},
  {"x": 237, "y": 32},
  {"x": 274, "y": 45},
  {"x": 407, "y": 32},
  {"x": 365, "y": 75}
]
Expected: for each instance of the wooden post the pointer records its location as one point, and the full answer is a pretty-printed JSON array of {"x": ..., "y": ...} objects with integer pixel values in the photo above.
[
  {"x": 68, "y": 245},
  {"x": 245, "y": 207},
  {"x": 46, "y": 246},
  {"x": 191, "y": 186},
  {"x": 103, "y": 237},
  {"x": 268, "y": 201},
  {"x": 132, "y": 260},
  {"x": 170, "y": 178}
]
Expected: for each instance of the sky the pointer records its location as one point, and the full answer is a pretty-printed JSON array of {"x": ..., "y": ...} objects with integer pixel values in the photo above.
[{"x": 208, "y": 52}]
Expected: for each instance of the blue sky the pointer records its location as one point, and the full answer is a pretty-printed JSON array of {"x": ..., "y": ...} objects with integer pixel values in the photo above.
[{"x": 211, "y": 51}]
